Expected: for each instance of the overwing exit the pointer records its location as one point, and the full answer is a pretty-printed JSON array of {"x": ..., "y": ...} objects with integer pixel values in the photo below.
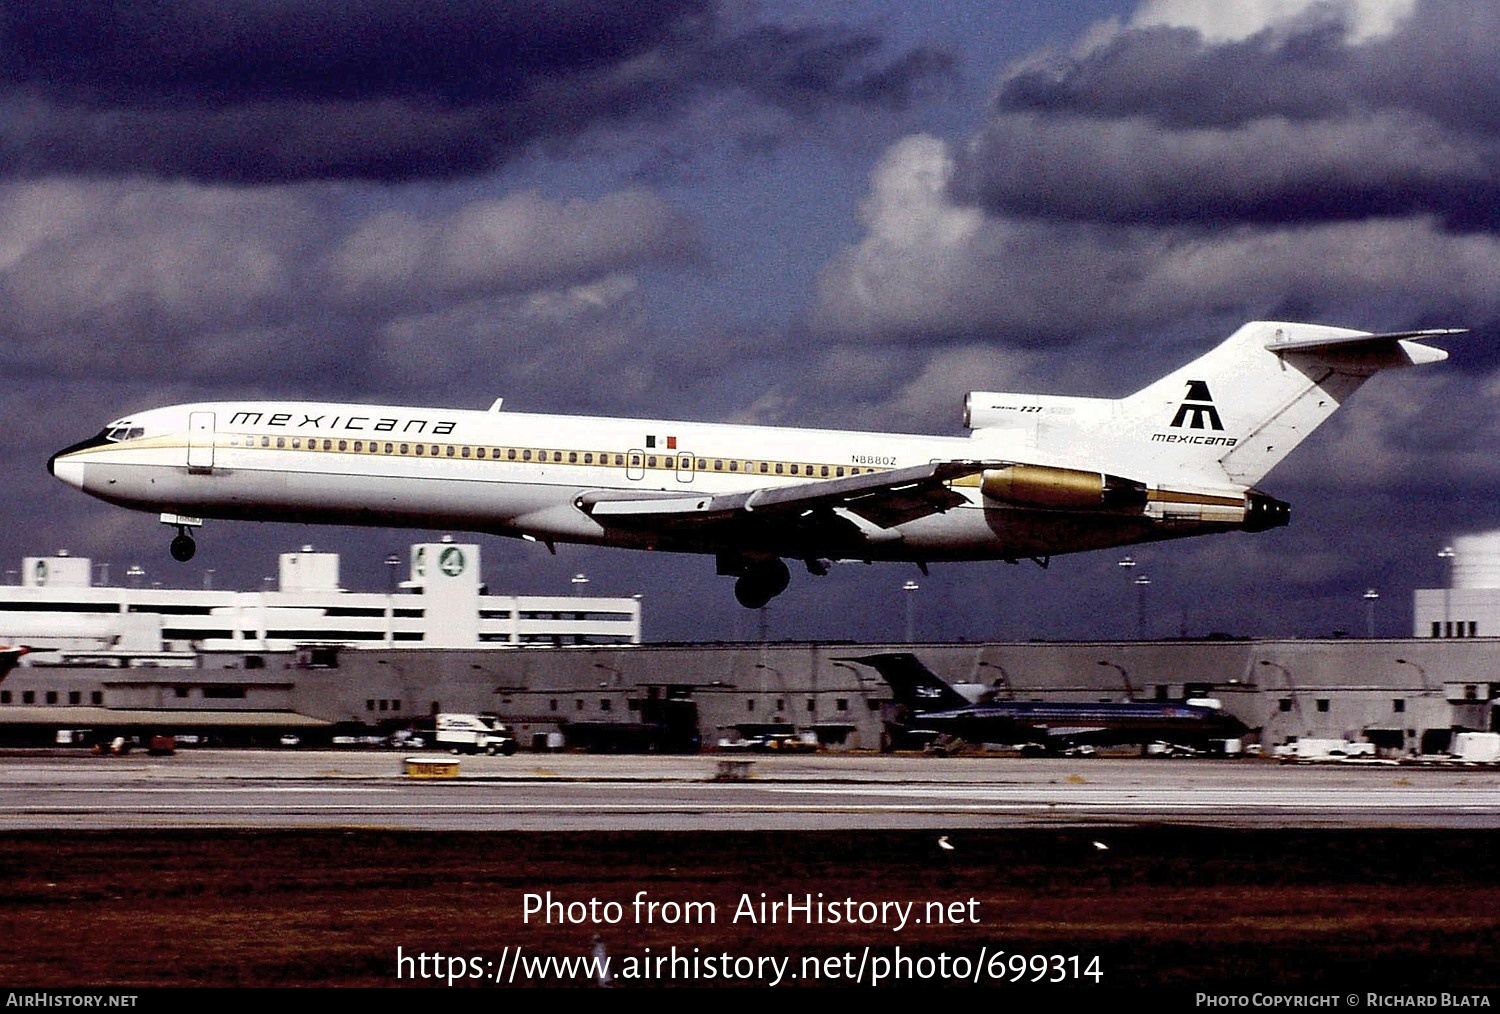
[{"x": 1037, "y": 475}]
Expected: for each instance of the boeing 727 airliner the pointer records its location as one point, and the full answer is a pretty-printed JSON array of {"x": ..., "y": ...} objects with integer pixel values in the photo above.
[{"x": 1037, "y": 476}]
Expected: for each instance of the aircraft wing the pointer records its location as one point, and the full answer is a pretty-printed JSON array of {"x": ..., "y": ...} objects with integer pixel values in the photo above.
[
  {"x": 1071, "y": 730},
  {"x": 10, "y": 657},
  {"x": 883, "y": 499}
]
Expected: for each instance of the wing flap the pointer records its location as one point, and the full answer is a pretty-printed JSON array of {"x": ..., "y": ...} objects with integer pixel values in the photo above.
[{"x": 894, "y": 507}]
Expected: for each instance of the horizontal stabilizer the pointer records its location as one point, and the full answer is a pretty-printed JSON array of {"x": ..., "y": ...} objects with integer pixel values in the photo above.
[{"x": 1331, "y": 339}]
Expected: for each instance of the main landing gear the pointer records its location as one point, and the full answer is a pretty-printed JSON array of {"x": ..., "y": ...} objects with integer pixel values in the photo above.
[{"x": 761, "y": 582}]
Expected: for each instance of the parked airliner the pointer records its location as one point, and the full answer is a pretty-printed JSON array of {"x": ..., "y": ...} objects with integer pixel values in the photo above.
[
  {"x": 1037, "y": 475},
  {"x": 927, "y": 711}
]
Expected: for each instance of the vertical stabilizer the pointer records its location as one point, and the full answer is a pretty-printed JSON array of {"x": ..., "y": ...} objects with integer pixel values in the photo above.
[
  {"x": 1235, "y": 412},
  {"x": 912, "y": 683}
]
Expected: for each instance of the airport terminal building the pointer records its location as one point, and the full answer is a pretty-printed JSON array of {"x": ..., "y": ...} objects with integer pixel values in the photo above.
[
  {"x": 310, "y": 659},
  {"x": 1403, "y": 695},
  {"x": 1469, "y": 604},
  {"x": 443, "y": 603}
]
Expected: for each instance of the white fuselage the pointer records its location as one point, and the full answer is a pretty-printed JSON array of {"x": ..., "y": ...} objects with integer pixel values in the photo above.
[
  {"x": 522, "y": 475},
  {"x": 1038, "y": 475}
]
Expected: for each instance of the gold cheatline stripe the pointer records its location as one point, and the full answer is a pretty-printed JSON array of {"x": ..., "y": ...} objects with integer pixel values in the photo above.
[{"x": 1177, "y": 496}]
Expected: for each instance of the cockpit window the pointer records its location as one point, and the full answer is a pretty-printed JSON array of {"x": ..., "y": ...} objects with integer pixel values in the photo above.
[{"x": 126, "y": 432}]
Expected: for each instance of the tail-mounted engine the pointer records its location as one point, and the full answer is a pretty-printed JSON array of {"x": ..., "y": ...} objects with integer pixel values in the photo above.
[
  {"x": 1061, "y": 488},
  {"x": 1265, "y": 512}
]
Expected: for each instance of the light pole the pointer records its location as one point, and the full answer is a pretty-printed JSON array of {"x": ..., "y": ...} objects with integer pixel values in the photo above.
[
  {"x": 578, "y": 581},
  {"x": 780, "y": 687},
  {"x": 1446, "y": 554},
  {"x": 1124, "y": 677},
  {"x": 1296, "y": 702},
  {"x": 1004, "y": 682},
  {"x": 1371, "y": 596},
  {"x": 1421, "y": 673},
  {"x": 910, "y": 587},
  {"x": 1126, "y": 565},
  {"x": 1141, "y": 584}
]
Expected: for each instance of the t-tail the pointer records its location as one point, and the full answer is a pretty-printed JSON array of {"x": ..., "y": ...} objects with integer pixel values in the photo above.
[
  {"x": 1235, "y": 412},
  {"x": 1223, "y": 420},
  {"x": 911, "y": 682}
]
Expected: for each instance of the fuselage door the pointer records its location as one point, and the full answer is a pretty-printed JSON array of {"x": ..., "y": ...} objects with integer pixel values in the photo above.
[
  {"x": 200, "y": 455},
  {"x": 635, "y": 464},
  {"x": 685, "y": 462}
]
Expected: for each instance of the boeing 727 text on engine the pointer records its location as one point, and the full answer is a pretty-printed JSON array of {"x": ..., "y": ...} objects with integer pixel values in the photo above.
[{"x": 1037, "y": 476}]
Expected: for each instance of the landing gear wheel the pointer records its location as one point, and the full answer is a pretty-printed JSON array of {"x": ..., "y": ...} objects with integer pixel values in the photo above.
[
  {"x": 183, "y": 547},
  {"x": 762, "y": 583}
]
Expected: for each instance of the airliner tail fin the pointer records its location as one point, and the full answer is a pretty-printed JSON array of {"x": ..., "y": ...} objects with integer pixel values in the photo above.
[{"x": 1239, "y": 409}]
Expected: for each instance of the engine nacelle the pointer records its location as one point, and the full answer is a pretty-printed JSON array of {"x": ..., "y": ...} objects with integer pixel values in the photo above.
[
  {"x": 980, "y": 412},
  {"x": 1264, "y": 512},
  {"x": 997, "y": 410},
  {"x": 1060, "y": 488}
]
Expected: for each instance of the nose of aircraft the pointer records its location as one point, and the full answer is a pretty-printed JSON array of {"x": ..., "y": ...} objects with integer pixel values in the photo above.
[
  {"x": 66, "y": 465},
  {"x": 66, "y": 468}
]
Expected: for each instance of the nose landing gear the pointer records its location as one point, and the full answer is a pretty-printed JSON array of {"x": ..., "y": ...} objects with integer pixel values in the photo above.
[{"x": 182, "y": 546}]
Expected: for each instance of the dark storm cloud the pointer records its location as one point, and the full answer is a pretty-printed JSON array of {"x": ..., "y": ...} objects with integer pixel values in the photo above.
[
  {"x": 102, "y": 51},
  {"x": 257, "y": 92},
  {"x": 133, "y": 278},
  {"x": 1158, "y": 126},
  {"x": 519, "y": 243},
  {"x": 932, "y": 273}
]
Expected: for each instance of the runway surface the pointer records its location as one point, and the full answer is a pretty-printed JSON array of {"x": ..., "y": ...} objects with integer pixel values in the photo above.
[
  {"x": 246, "y": 868},
  {"x": 317, "y": 789}
]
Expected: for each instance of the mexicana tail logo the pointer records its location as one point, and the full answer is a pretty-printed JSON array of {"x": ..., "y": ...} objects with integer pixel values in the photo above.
[{"x": 1197, "y": 410}]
